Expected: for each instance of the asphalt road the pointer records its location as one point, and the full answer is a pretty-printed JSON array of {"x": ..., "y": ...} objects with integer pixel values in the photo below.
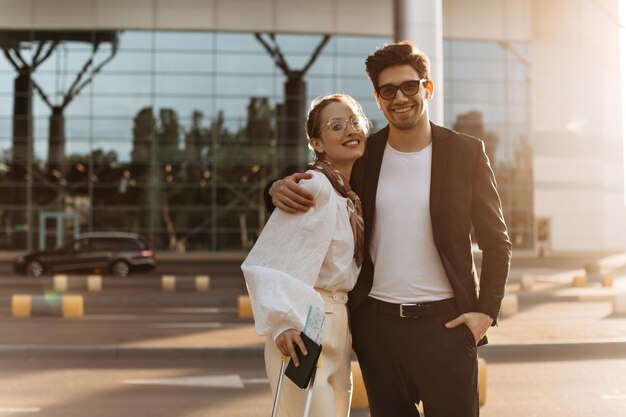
[
  {"x": 568, "y": 380},
  {"x": 229, "y": 387}
]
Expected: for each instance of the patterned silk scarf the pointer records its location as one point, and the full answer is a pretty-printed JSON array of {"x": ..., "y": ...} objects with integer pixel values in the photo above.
[{"x": 355, "y": 211}]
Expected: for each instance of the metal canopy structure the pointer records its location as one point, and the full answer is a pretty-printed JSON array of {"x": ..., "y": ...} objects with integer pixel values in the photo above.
[{"x": 26, "y": 51}]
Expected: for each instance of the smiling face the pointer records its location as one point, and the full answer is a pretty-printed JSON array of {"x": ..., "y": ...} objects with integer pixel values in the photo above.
[
  {"x": 404, "y": 112},
  {"x": 341, "y": 138}
]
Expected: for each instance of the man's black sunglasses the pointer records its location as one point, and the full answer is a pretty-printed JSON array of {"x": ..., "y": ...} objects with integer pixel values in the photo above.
[{"x": 408, "y": 88}]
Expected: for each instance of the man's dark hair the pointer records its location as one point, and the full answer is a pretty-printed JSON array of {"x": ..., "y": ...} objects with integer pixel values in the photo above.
[{"x": 400, "y": 53}]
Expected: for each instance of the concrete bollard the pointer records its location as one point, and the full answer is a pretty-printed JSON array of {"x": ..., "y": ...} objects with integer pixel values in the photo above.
[
  {"x": 482, "y": 381},
  {"x": 67, "y": 306},
  {"x": 510, "y": 305},
  {"x": 73, "y": 306},
  {"x": 20, "y": 305},
  {"x": 579, "y": 281},
  {"x": 94, "y": 283},
  {"x": 62, "y": 283},
  {"x": 527, "y": 281},
  {"x": 202, "y": 283},
  {"x": 619, "y": 303},
  {"x": 607, "y": 280},
  {"x": 359, "y": 395},
  {"x": 168, "y": 283},
  {"x": 244, "y": 307},
  {"x": 59, "y": 283},
  {"x": 592, "y": 270},
  {"x": 171, "y": 283}
]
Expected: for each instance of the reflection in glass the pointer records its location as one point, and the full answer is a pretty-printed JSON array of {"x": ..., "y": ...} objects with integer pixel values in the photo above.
[
  {"x": 176, "y": 135},
  {"x": 487, "y": 97}
]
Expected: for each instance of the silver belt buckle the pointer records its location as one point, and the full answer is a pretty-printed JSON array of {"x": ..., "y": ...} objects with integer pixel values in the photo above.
[{"x": 402, "y": 309}]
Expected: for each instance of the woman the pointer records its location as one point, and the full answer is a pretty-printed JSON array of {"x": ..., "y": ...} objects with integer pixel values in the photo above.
[{"x": 313, "y": 259}]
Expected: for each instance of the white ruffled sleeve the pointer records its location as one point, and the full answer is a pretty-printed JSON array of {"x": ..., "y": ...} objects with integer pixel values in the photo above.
[{"x": 282, "y": 268}]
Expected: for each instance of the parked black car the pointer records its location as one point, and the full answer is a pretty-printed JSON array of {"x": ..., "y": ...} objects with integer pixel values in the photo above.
[{"x": 118, "y": 253}]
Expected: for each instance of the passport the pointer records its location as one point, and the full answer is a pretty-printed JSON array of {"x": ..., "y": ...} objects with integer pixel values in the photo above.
[{"x": 303, "y": 373}]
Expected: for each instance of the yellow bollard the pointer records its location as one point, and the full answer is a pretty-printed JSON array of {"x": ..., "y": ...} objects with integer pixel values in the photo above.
[
  {"x": 202, "y": 283},
  {"x": 359, "y": 395},
  {"x": 20, "y": 305},
  {"x": 619, "y": 303},
  {"x": 168, "y": 283},
  {"x": 607, "y": 280},
  {"x": 60, "y": 283},
  {"x": 579, "y": 281},
  {"x": 244, "y": 308},
  {"x": 73, "y": 306},
  {"x": 527, "y": 281},
  {"x": 67, "y": 306},
  {"x": 510, "y": 305},
  {"x": 482, "y": 381},
  {"x": 94, "y": 283}
]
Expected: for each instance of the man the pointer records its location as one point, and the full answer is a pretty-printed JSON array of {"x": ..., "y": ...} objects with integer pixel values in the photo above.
[{"x": 417, "y": 311}]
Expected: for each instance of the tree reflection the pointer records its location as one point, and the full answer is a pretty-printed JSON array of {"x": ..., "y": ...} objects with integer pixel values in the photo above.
[
  {"x": 514, "y": 177},
  {"x": 207, "y": 193},
  {"x": 190, "y": 181}
]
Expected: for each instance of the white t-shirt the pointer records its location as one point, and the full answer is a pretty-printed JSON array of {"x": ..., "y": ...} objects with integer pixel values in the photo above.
[{"x": 407, "y": 266}]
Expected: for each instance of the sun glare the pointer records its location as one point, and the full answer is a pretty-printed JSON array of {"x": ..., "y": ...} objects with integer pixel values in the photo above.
[{"x": 622, "y": 40}]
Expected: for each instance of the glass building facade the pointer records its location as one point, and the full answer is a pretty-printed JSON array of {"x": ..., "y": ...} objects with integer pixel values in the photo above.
[
  {"x": 174, "y": 135},
  {"x": 487, "y": 87}
]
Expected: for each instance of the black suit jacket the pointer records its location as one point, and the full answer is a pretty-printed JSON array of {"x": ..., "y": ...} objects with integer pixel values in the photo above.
[{"x": 462, "y": 194}]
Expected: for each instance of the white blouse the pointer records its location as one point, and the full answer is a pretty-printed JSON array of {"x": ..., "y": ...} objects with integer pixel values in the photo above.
[{"x": 296, "y": 253}]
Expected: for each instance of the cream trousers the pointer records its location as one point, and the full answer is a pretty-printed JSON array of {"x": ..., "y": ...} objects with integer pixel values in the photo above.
[{"x": 332, "y": 390}]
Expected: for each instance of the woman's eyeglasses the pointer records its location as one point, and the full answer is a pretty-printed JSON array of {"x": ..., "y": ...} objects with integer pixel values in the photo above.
[
  {"x": 339, "y": 125},
  {"x": 408, "y": 88}
]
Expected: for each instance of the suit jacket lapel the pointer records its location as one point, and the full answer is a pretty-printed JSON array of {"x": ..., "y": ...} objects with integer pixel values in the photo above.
[
  {"x": 438, "y": 168},
  {"x": 373, "y": 160}
]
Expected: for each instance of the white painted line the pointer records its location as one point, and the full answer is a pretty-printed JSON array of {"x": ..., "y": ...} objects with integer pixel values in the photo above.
[
  {"x": 590, "y": 341},
  {"x": 613, "y": 262},
  {"x": 214, "y": 381},
  {"x": 187, "y": 325},
  {"x": 111, "y": 317},
  {"x": 256, "y": 381},
  {"x": 614, "y": 397},
  {"x": 20, "y": 410},
  {"x": 199, "y": 310}
]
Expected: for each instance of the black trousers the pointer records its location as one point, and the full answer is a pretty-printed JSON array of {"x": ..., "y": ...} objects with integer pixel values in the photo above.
[{"x": 405, "y": 361}]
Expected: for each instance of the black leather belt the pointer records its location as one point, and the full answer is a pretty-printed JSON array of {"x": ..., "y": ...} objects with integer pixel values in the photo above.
[{"x": 413, "y": 310}]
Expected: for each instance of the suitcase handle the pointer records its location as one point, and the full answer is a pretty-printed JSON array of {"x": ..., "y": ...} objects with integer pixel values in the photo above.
[{"x": 283, "y": 364}]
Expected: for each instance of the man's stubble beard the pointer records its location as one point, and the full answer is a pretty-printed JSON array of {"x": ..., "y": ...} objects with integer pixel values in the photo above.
[{"x": 406, "y": 124}]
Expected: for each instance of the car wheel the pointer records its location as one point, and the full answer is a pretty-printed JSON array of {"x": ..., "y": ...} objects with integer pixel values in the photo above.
[
  {"x": 34, "y": 269},
  {"x": 120, "y": 269}
]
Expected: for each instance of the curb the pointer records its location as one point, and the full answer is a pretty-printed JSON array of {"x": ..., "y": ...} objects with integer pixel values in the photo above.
[
  {"x": 121, "y": 352},
  {"x": 167, "y": 256},
  {"x": 555, "y": 351},
  {"x": 501, "y": 353}
]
